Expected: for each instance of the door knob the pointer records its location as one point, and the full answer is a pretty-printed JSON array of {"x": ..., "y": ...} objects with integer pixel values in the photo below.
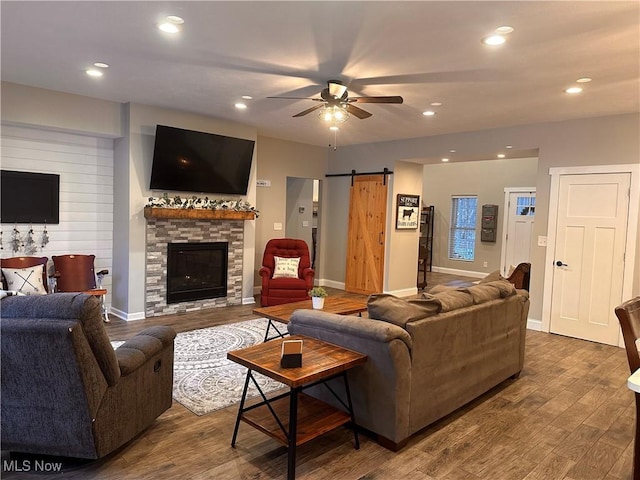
[{"x": 560, "y": 264}]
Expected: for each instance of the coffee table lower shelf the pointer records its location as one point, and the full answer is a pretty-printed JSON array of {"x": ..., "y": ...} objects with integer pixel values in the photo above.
[{"x": 315, "y": 418}]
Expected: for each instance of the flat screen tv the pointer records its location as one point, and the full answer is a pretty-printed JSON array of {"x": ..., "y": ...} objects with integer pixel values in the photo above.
[
  {"x": 27, "y": 197},
  {"x": 190, "y": 161}
]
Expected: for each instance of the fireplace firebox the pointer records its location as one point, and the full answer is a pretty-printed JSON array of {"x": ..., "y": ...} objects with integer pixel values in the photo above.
[{"x": 196, "y": 271}]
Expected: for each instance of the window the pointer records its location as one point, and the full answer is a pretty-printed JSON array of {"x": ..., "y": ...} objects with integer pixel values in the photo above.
[
  {"x": 462, "y": 238},
  {"x": 526, "y": 206}
]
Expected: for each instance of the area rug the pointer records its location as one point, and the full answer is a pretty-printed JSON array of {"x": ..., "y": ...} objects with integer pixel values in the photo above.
[{"x": 203, "y": 379}]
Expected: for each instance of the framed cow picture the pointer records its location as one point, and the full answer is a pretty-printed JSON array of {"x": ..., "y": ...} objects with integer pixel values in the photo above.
[{"x": 408, "y": 212}]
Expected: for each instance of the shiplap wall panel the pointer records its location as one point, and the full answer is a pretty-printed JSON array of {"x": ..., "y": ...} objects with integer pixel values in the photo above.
[{"x": 85, "y": 166}]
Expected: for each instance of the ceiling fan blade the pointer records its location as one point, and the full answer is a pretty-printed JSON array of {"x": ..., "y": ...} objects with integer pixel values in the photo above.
[
  {"x": 308, "y": 110},
  {"x": 391, "y": 99},
  {"x": 357, "y": 112}
]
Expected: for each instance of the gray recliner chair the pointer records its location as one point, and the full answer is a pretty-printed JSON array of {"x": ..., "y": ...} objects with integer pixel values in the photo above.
[{"x": 65, "y": 391}]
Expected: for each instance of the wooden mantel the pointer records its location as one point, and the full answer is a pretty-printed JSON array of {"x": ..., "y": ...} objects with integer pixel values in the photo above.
[{"x": 197, "y": 214}]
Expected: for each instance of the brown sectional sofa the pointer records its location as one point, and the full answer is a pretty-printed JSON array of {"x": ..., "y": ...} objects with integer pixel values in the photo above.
[{"x": 427, "y": 357}]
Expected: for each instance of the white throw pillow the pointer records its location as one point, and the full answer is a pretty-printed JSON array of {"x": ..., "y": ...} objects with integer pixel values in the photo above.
[
  {"x": 286, "y": 267},
  {"x": 25, "y": 280},
  {"x": 8, "y": 293}
]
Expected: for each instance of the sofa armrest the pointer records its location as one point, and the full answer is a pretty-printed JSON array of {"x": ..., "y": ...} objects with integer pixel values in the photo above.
[
  {"x": 342, "y": 325},
  {"x": 133, "y": 353},
  {"x": 385, "y": 377}
]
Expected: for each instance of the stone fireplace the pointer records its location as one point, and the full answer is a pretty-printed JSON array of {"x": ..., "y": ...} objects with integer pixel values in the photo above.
[{"x": 163, "y": 231}]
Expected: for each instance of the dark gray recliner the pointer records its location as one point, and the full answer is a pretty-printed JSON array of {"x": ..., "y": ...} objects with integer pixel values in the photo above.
[{"x": 65, "y": 391}]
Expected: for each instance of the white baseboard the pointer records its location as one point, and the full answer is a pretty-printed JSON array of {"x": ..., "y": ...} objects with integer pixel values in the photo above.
[
  {"x": 330, "y": 283},
  {"x": 405, "y": 292},
  {"x": 126, "y": 316},
  {"x": 249, "y": 300},
  {"x": 533, "y": 324},
  {"x": 463, "y": 273}
]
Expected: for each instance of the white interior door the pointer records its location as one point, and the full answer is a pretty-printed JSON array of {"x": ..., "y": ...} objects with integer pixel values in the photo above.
[
  {"x": 521, "y": 208},
  {"x": 589, "y": 255}
]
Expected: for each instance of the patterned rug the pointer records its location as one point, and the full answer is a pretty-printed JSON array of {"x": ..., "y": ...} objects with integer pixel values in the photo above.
[{"x": 203, "y": 379}]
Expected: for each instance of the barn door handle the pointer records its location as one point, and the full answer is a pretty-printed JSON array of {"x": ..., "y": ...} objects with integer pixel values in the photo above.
[
  {"x": 560, "y": 264},
  {"x": 380, "y": 237}
]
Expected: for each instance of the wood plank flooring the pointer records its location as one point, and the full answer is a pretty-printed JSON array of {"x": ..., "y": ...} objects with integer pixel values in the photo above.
[{"x": 569, "y": 416}]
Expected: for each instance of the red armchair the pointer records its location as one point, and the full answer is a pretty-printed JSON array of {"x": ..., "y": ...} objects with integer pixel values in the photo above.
[{"x": 283, "y": 288}]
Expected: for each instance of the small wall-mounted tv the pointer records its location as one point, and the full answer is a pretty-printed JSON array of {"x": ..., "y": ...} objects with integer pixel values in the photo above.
[
  {"x": 27, "y": 197},
  {"x": 190, "y": 161}
]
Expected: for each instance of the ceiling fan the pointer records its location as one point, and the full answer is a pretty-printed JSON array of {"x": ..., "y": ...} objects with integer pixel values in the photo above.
[{"x": 336, "y": 98}]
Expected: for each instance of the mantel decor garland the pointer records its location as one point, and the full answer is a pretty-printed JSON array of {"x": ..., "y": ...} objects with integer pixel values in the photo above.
[{"x": 191, "y": 203}]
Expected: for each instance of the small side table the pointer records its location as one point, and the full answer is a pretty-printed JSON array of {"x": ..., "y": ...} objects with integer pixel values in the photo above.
[{"x": 278, "y": 416}]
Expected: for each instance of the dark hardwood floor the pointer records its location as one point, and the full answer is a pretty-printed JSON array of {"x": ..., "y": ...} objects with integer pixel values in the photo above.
[{"x": 568, "y": 416}]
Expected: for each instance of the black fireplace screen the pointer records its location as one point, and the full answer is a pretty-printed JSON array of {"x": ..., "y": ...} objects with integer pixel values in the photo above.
[{"x": 196, "y": 271}]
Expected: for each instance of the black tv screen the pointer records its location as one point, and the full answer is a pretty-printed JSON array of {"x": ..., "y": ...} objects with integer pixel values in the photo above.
[
  {"x": 27, "y": 197},
  {"x": 190, "y": 161}
]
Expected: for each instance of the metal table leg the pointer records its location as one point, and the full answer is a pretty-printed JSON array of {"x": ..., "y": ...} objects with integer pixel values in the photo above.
[{"x": 293, "y": 433}]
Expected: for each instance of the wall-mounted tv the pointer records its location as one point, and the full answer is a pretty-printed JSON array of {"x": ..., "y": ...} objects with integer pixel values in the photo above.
[
  {"x": 190, "y": 161},
  {"x": 27, "y": 197}
]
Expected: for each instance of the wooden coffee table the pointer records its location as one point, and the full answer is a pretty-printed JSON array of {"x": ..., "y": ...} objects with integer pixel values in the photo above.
[
  {"x": 294, "y": 418},
  {"x": 282, "y": 313}
]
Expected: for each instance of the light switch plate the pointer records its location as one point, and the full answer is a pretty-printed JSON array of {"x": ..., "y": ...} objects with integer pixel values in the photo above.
[
  {"x": 542, "y": 241},
  {"x": 277, "y": 226}
]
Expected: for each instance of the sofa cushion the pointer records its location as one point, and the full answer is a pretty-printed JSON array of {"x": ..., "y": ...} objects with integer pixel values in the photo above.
[
  {"x": 450, "y": 299},
  {"x": 493, "y": 276},
  {"x": 443, "y": 288},
  {"x": 399, "y": 311}
]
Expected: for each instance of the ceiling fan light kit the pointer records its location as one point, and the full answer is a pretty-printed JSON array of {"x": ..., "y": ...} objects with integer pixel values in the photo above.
[
  {"x": 338, "y": 106},
  {"x": 334, "y": 114}
]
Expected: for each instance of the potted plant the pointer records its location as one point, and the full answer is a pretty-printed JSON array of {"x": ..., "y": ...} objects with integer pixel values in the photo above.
[{"x": 318, "y": 294}]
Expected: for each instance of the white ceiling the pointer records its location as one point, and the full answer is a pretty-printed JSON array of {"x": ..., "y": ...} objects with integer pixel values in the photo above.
[{"x": 424, "y": 51}]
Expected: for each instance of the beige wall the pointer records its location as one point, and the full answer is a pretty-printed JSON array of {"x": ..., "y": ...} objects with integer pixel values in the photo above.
[
  {"x": 401, "y": 256},
  {"x": 592, "y": 141},
  {"x": 300, "y": 196},
  {"x": 487, "y": 179},
  {"x": 24, "y": 105},
  {"x": 278, "y": 160}
]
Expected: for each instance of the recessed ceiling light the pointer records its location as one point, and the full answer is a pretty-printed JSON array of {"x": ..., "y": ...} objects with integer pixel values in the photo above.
[
  {"x": 573, "y": 90},
  {"x": 436, "y": 104},
  {"x": 168, "y": 28},
  {"x": 583, "y": 80},
  {"x": 429, "y": 113},
  {"x": 175, "y": 19},
  {"x": 501, "y": 155},
  {"x": 92, "y": 72},
  {"x": 334, "y": 128},
  {"x": 504, "y": 30},
  {"x": 494, "y": 40},
  {"x": 452, "y": 151},
  {"x": 247, "y": 97},
  {"x": 101, "y": 65},
  {"x": 509, "y": 146},
  {"x": 445, "y": 159},
  {"x": 171, "y": 24},
  {"x": 241, "y": 105}
]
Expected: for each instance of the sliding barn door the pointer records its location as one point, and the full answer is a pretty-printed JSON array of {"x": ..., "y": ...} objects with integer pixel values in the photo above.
[{"x": 365, "y": 245}]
